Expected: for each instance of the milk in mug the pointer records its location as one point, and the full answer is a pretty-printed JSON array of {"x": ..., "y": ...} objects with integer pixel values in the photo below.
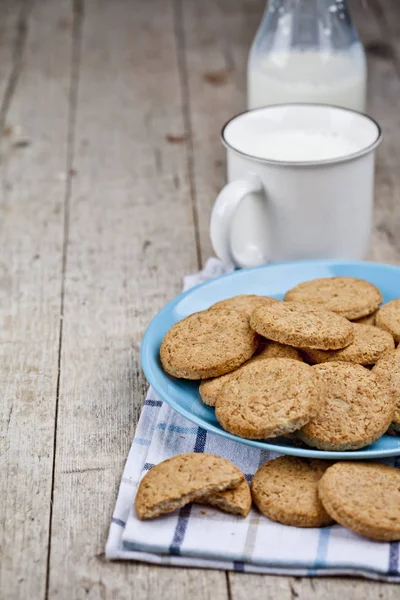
[{"x": 291, "y": 145}]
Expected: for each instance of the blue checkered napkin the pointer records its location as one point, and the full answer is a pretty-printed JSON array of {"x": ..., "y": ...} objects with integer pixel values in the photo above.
[{"x": 201, "y": 536}]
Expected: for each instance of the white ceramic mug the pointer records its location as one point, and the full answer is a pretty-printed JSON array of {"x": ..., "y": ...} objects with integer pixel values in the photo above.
[{"x": 300, "y": 185}]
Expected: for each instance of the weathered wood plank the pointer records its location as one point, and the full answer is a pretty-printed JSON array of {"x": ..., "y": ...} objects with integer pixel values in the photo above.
[
  {"x": 388, "y": 13},
  {"x": 131, "y": 239},
  {"x": 262, "y": 587},
  {"x": 35, "y": 60},
  {"x": 330, "y": 588},
  {"x": 383, "y": 94},
  {"x": 14, "y": 18},
  {"x": 215, "y": 38}
]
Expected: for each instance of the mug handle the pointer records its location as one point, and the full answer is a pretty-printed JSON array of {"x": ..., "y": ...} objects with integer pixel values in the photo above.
[{"x": 223, "y": 216}]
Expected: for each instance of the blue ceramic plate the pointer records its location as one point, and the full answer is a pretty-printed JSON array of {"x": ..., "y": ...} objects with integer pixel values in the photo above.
[{"x": 272, "y": 280}]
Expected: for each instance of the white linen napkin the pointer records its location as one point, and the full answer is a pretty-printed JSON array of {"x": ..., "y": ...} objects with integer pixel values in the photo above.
[{"x": 202, "y": 536}]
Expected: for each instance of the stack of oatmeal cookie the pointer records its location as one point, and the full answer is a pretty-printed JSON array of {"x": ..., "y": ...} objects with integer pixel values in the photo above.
[{"x": 320, "y": 367}]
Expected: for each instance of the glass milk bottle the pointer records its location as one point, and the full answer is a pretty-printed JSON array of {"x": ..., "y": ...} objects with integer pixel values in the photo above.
[{"x": 307, "y": 51}]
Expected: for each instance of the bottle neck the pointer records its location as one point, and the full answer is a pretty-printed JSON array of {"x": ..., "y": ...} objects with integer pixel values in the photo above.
[
  {"x": 311, "y": 23},
  {"x": 332, "y": 6}
]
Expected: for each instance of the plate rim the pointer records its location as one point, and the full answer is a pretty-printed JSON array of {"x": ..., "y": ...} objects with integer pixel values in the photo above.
[{"x": 145, "y": 358}]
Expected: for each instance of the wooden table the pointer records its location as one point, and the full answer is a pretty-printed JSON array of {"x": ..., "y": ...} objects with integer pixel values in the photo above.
[{"x": 110, "y": 163}]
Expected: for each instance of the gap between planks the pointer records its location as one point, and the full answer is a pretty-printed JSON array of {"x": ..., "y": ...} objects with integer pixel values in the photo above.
[
  {"x": 179, "y": 32},
  {"x": 78, "y": 15}
]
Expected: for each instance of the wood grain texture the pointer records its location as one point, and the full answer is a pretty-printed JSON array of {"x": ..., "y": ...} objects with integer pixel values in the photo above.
[
  {"x": 265, "y": 587},
  {"x": 215, "y": 38},
  {"x": 332, "y": 588},
  {"x": 388, "y": 13},
  {"x": 131, "y": 239},
  {"x": 13, "y": 25},
  {"x": 384, "y": 92},
  {"x": 35, "y": 54}
]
